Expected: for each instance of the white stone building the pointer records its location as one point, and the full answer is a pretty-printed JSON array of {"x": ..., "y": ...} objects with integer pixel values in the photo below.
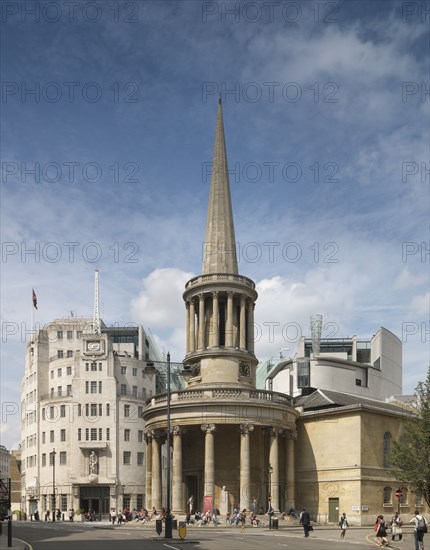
[
  {"x": 370, "y": 368},
  {"x": 83, "y": 396}
]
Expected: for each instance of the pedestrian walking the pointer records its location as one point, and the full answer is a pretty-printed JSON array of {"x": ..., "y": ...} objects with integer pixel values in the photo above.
[
  {"x": 381, "y": 531},
  {"x": 420, "y": 528},
  {"x": 71, "y": 514},
  {"x": 243, "y": 519},
  {"x": 343, "y": 524},
  {"x": 305, "y": 520},
  {"x": 396, "y": 526}
]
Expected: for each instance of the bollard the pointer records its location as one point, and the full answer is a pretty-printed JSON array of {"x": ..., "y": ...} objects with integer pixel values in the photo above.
[
  {"x": 275, "y": 524},
  {"x": 9, "y": 532},
  {"x": 158, "y": 526}
]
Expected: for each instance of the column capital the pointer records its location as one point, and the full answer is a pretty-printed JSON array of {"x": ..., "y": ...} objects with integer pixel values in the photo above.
[
  {"x": 148, "y": 436},
  {"x": 246, "y": 429},
  {"x": 230, "y": 293},
  {"x": 291, "y": 434},
  {"x": 208, "y": 428},
  {"x": 215, "y": 293},
  {"x": 159, "y": 436},
  {"x": 273, "y": 431},
  {"x": 178, "y": 430},
  {"x": 201, "y": 296},
  {"x": 187, "y": 303}
]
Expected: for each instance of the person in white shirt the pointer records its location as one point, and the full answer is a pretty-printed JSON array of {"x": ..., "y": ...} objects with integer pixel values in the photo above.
[{"x": 420, "y": 527}]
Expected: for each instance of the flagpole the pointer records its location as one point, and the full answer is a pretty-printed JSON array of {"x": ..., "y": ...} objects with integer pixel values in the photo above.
[{"x": 32, "y": 316}]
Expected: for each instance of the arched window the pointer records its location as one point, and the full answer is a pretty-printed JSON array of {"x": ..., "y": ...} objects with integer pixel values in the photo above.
[
  {"x": 387, "y": 449},
  {"x": 388, "y": 495}
]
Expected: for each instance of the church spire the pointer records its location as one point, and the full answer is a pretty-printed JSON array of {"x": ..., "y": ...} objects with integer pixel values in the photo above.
[{"x": 220, "y": 245}]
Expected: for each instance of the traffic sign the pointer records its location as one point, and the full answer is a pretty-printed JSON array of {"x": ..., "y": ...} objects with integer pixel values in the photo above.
[{"x": 399, "y": 493}]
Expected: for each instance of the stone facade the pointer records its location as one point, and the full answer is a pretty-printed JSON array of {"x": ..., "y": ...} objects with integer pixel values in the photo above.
[{"x": 83, "y": 396}]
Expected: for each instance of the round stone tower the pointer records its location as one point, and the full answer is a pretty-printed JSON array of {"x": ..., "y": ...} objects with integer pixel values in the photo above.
[{"x": 233, "y": 445}]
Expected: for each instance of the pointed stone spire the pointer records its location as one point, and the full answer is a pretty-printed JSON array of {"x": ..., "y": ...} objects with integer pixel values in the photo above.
[{"x": 220, "y": 245}]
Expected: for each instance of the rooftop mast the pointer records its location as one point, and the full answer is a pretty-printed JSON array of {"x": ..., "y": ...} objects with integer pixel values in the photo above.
[{"x": 96, "y": 317}]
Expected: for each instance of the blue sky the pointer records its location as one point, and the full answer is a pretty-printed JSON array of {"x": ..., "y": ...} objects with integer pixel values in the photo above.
[{"x": 327, "y": 128}]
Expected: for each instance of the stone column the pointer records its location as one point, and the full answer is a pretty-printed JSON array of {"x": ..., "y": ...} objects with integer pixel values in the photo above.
[
  {"x": 215, "y": 320},
  {"x": 187, "y": 305},
  {"x": 245, "y": 466},
  {"x": 242, "y": 323},
  {"x": 156, "y": 471},
  {"x": 251, "y": 326},
  {"x": 148, "y": 472},
  {"x": 209, "y": 487},
  {"x": 192, "y": 329},
  {"x": 290, "y": 489},
  {"x": 177, "y": 504},
  {"x": 229, "y": 323},
  {"x": 274, "y": 462},
  {"x": 201, "y": 342}
]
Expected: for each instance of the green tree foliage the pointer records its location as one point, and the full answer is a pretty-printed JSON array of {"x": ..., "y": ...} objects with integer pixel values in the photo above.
[{"x": 411, "y": 455}]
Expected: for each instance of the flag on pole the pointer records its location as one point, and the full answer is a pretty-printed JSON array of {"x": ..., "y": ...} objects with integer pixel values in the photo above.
[{"x": 34, "y": 300}]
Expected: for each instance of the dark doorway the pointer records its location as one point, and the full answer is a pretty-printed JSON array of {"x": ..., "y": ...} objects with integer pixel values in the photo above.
[
  {"x": 95, "y": 499},
  {"x": 192, "y": 488}
]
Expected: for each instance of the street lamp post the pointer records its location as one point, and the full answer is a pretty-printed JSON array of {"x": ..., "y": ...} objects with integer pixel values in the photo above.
[
  {"x": 53, "y": 485},
  {"x": 168, "y": 529},
  {"x": 269, "y": 496}
]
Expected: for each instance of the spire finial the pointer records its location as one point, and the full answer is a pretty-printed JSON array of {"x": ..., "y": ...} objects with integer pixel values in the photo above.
[
  {"x": 219, "y": 99},
  {"x": 220, "y": 246}
]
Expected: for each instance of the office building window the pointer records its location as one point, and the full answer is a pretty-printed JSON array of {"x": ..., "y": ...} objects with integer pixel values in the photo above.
[
  {"x": 79, "y": 434},
  {"x": 93, "y": 434},
  {"x": 126, "y": 410},
  {"x": 93, "y": 366},
  {"x": 79, "y": 334},
  {"x": 107, "y": 434},
  {"x": 140, "y": 459},
  {"x": 63, "y": 411},
  {"x": 59, "y": 334},
  {"x": 93, "y": 409},
  {"x": 100, "y": 386},
  {"x": 87, "y": 387},
  {"x": 134, "y": 389},
  {"x": 60, "y": 354},
  {"x": 69, "y": 370},
  {"x": 107, "y": 409},
  {"x": 69, "y": 334},
  {"x": 63, "y": 459},
  {"x": 100, "y": 434},
  {"x": 134, "y": 371},
  {"x": 51, "y": 436},
  {"x": 69, "y": 390},
  {"x": 100, "y": 367},
  {"x": 93, "y": 386},
  {"x": 43, "y": 459},
  {"x": 43, "y": 437},
  {"x": 87, "y": 434},
  {"x": 100, "y": 409},
  {"x": 69, "y": 353},
  {"x": 123, "y": 389},
  {"x": 140, "y": 436},
  {"x": 126, "y": 458},
  {"x": 52, "y": 374},
  {"x": 123, "y": 370},
  {"x": 62, "y": 435},
  {"x": 126, "y": 435}
]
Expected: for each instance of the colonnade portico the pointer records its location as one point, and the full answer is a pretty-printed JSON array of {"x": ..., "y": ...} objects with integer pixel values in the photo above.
[{"x": 211, "y": 481}]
